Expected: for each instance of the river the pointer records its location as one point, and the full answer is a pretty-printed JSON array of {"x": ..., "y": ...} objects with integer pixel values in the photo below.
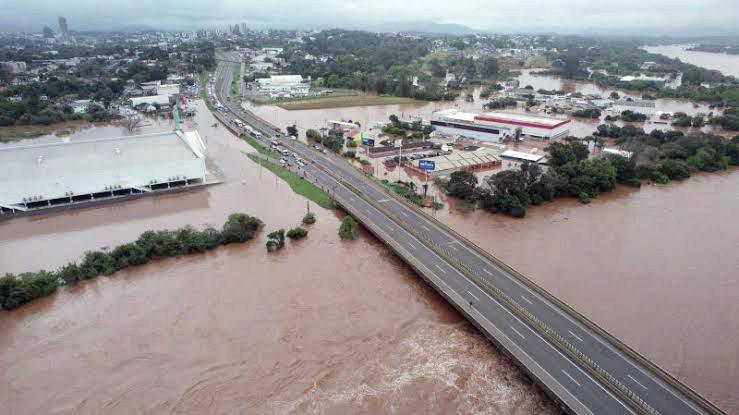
[
  {"x": 332, "y": 327},
  {"x": 320, "y": 327},
  {"x": 727, "y": 64}
]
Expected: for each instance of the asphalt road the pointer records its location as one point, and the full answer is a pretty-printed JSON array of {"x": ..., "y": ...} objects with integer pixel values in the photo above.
[{"x": 408, "y": 231}]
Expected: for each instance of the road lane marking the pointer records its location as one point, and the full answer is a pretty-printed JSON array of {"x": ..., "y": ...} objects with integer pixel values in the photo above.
[
  {"x": 574, "y": 335},
  {"x": 384, "y": 200},
  {"x": 440, "y": 268},
  {"x": 571, "y": 378},
  {"x": 403, "y": 213},
  {"x": 526, "y": 299},
  {"x": 637, "y": 382},
  {"x": 411, "y": 245},
  {"x": 517, "y": 332},
  {"x": 426, "y": 228},
  {"x": 473, "y": 296}
]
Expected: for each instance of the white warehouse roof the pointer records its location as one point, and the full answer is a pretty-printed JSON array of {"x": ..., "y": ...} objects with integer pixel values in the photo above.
[
  {"x": 154, "y": 99},
  {"x": 51, "y": 171}
]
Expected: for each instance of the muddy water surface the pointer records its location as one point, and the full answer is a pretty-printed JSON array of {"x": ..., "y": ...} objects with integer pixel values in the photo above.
[{"x": 321, "y": 327}]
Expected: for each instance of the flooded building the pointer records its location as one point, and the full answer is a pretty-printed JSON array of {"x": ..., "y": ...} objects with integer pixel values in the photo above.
[
  {"x": 41, "y": 176},
  {"x": 497, "y": 126}
]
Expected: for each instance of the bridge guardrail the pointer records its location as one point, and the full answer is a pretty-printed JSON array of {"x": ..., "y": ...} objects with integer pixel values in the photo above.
[
  {"x": 704, "y": 403},
  {"x": 601, "y": 374},
  {"x": 616, "y": 386}
]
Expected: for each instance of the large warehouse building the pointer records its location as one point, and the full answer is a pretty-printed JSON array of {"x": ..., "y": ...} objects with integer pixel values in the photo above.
[
  {"x": 497, "y": 126},
  {"x": 40, "y": 176}
]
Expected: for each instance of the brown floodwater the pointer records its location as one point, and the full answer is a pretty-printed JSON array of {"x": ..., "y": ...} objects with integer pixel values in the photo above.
[
  {"x": 321, "y": 327},
  {"x": 656, "y": 267},
  {"x": 370, "y": 116},
  {"x": 727, "y": 64}
]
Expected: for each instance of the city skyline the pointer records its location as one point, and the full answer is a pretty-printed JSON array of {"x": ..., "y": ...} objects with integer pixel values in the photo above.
[{"x": 713, "y": 17}]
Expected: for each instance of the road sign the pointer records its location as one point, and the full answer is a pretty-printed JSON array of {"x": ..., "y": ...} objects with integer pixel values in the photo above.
[
  {"x": 370, "y": 142},
  {"x": 428, "y": 165}
]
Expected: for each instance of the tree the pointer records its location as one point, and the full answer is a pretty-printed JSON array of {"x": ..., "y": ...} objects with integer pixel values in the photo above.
[
  {"x": 462, "y": 185},
  {"x": 349, "y": 229},
  {"x": 240, "y": 228},
  {"x": 615, "y": 95},
  {"x": 489, "y": 67},
  {"x": 276, "y": 240},
  {"x": 292, "y": 130},
  {"x": 131, "y": 124},
  {"x": 437, "y": 69},
  {"x": 297, "y": 233},
  {"x": 309, "y": 218}
]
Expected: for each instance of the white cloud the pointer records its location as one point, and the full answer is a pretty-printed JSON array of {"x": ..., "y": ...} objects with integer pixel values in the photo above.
[{"x": 569, "y": 16}]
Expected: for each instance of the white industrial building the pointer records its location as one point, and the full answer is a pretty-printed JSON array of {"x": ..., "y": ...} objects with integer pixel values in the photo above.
[
  {"x": 40, "y": 176},
  {"x": 497, "y": 126},
  {"x": 150, "y": 100},
  {"x": 277, "y": 85}
]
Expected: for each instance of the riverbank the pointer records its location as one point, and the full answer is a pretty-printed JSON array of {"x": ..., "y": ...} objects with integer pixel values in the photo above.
[{"x": 24, "y": 132}]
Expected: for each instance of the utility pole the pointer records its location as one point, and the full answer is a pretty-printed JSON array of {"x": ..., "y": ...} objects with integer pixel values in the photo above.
[{"x": 400, "y": 158}]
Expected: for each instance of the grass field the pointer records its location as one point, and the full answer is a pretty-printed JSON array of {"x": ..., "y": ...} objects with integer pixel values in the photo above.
[
  {"x": 204, "y": 77},
  {"x": 22, "y": 132},
  {"x": 360, "y": 100},
  {"x": 298, "y": 184}
]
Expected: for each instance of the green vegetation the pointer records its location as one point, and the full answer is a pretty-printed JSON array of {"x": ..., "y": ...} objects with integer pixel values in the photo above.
[
  {"x": 257, "y": 145},
  {"x": 16, "y": 290},
  {"x": 234, "y": 91},
  {"x": 405, "y": 129},
  {"x": 631, "y": 116},
  {"x": 587, "y": 113},
  {"x": 298, "y": 184},
  {"x": 297, "y": 233},
  {"x": 334, "y": 141},
  {"x": 309, "y": 218},
  {"x": 500, "y": 103},
  {"x": 349, "y": 229},
  {"x": 204, "y": 77},
  {"x": 276, "y": 240}
]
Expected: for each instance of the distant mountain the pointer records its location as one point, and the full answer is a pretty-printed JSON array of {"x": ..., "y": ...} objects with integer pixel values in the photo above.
[{"x": 421, "y": 27}]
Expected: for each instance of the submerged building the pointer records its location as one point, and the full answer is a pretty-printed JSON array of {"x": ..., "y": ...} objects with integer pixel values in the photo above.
[
  {"x": 40, "y": 176},
  {"x": 497, "y": 126}
]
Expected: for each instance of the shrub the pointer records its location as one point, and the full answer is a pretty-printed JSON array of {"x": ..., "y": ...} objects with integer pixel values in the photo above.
[
  {"x": 309, "y": 218},
  {"x": 240, "y": 228},
  {"x": 16, "y": 290},
  {"x": 297, "y": 233},
  {"x": 276, "y": 240},
  {"x": 349, "y": 229}
]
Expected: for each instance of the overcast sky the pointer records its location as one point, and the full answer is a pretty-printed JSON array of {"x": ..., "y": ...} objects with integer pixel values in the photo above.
[{"x": 658, "y": 17}]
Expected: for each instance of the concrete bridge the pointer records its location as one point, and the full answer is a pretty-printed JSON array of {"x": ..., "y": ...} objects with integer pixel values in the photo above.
[{"x": 581, "y": 366}]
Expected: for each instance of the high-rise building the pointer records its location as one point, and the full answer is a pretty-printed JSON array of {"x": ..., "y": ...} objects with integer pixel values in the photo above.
[
  {"x": 243, "y": 28},
  {"x": 63, "y": 28}
]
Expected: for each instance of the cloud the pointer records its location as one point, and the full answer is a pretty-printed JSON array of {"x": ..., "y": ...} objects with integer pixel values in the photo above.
[{"x": 565, "y": 16}]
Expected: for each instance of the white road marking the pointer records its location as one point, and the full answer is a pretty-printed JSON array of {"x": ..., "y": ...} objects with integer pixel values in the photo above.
[
  {"x": 574, "y": 335},
  {"x": 637, "y": 382},
  {"x": 411, "y": 245},
  {"x": 403, "y": 213},
  {"x": 440, "y": 268},
  {"x": 453, "y": 247},
  {"x": 488, "y": 271},
  {"x": 517, "y": 332},
  {"x": 526, "y": 299},
  {"x": 571, "y": 378},
  {"x": 426, "y": 228},
  {"x": 473, "y": 296}
]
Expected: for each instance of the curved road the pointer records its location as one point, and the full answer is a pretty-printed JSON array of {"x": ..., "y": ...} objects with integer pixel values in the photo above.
[{"x": 585, "y": 372}]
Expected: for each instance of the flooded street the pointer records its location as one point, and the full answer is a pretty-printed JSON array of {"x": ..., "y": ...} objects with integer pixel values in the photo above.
[{"x": 321, "y": 327}]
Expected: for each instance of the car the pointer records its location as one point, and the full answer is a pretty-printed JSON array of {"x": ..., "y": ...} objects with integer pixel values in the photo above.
[
  {"x": 317, "y": 147},
  {"x": 301, "y": 164}
]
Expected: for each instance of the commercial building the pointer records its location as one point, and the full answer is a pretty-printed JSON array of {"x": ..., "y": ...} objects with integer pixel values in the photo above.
[
  {"x": 521, "y": 156},
  {"x": 497, "y": 126},
  {"x": 277, "y": 85},
  {"x": 459, "y": 160},
  {"x": 641, "y": 106},
  {"x": 150, "y": 100},
  {"x": 13, "y": 67},
  {"x": 41, "y": 176}
]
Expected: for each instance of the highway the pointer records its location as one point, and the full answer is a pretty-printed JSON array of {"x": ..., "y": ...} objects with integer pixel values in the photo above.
[{"x": 579, "y": 365}]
